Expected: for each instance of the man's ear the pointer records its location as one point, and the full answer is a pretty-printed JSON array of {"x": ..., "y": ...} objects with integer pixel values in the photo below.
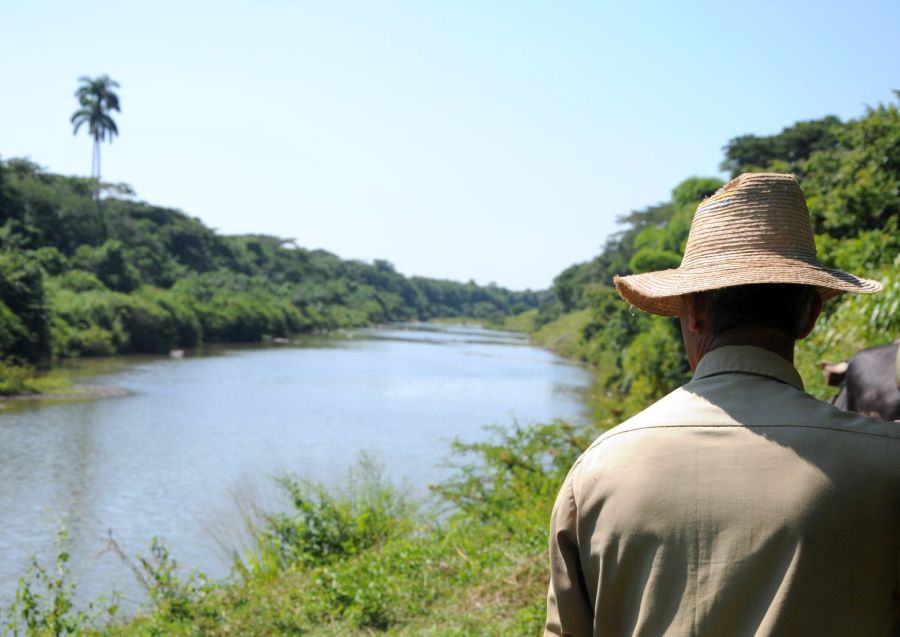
[
  {"x": 815, "y": 309},
  {"x": 697, "y": 312}
]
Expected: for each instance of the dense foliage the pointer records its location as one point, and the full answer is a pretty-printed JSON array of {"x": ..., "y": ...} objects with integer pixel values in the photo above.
[
  {"x": 850, "y": 172},
  {"x": 82, "y": 278}
]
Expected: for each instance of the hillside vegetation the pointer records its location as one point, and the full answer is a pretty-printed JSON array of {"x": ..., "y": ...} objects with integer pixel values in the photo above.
[
  {"x": 80, "y": 276},
  {"x": 850, "y": 172}
]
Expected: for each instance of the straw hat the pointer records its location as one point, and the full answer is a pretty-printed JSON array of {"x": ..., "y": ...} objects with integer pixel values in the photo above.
[{"x": 755, "y": 229}]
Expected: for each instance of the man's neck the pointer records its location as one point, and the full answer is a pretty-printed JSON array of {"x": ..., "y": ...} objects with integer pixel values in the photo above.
[{"x": 766, "y": 338}]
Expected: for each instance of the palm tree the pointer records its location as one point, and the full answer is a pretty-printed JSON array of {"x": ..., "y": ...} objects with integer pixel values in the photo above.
[{"x": 96, "y": 99}]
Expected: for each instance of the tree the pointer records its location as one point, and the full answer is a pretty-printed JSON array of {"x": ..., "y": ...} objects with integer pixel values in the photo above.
[
  {"x": 24, "y": 310},
  {"x": 96, "y": 100},
  {"x": 854, "y": 185},
  {"x": 751, "y": 153}
]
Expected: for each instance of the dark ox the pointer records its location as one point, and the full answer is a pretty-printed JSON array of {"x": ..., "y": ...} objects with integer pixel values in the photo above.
[{"x": 869, "y": 381}]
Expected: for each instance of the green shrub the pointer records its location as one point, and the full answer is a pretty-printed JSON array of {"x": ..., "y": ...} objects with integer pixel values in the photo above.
[
  {"x": 15, "y": 379},
  {"x": 25, "y": 316},
  {"x": 852, "y": 322},
  {"x": 96, "y": 341},
  {"x": 44, "y": 602},
  {"x": 110, "y": 264},
  {"x": 97, "y": 318},
  {"x": 650, "y": 259},
  {"x": 869, "y": 251},
  {"x": 78, "y": 281},
  {"x": 51, "y": 260},
  {"x": 247, "y": 317},
  {"x": 496, "y": 475},
  {"x": 325, "y": 525},
  {"x": 188, "y": 332},
  {"x": 654, "y": 363},
  {"x": 12, "y": 331},
  {"x": 172, "y": 596}
]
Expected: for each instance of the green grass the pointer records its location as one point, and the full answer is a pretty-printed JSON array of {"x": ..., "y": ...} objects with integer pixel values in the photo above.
[
  {"x": 523, "y": 322},
  {"x": 457, "y": 320},
  {"x": 22, "y": 380},
  {"x": 564, "y": 335}
]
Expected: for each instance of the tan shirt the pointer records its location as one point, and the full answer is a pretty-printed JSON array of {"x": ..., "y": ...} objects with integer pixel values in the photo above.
[{"x": 736, "y": 505}]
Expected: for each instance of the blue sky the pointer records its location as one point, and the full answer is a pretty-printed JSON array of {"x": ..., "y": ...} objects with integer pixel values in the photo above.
[{"x": 495, "y": 141}]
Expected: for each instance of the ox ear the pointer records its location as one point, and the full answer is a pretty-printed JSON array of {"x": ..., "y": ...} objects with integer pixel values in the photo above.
[{"x": 834, "y": 372}]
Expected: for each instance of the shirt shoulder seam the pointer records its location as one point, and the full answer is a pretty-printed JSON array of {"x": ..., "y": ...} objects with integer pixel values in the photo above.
[{"x": 613, "y": 434}]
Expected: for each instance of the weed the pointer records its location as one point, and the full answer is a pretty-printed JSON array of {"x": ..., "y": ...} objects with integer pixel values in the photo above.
[{"x": 44, "y": 600}]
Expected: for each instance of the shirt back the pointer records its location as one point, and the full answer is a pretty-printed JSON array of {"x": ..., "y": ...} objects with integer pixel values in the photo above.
[{"x": 737, "y": 505}]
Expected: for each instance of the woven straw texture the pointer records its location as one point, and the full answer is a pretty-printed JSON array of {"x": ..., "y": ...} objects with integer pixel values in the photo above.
[{"x": 755, "y": 229}]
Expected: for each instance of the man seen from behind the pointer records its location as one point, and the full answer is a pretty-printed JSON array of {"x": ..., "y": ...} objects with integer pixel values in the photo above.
[{"x": 738, "y": 504}]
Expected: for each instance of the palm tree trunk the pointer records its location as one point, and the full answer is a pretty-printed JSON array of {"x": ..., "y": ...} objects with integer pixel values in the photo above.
[
  {"x": 101, "y": 225},
  {"x": 95, "y": 167}
]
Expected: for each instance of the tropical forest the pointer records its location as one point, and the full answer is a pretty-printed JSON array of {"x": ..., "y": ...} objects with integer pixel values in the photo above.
[{"x": 89, "y": 271}]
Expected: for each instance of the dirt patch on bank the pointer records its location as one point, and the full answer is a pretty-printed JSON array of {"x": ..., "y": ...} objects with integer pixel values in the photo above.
[{"x": 75, "y": 392}]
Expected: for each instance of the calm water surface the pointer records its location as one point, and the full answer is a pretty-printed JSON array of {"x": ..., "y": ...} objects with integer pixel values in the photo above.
[{"x": 199, "y": 437}]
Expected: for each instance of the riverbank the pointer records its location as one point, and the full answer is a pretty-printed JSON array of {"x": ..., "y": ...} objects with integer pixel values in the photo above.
[
  {"x": 21, "y": 382},
  {"x": 367, "y": 559},
  {"x": 25, "y": 383},
  {"x": 346, "y": 559},
  {"x": 71, "y": 392}
]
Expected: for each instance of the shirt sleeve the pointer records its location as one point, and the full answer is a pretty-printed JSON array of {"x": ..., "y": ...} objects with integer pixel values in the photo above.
[{"x": 569, "y": 610}]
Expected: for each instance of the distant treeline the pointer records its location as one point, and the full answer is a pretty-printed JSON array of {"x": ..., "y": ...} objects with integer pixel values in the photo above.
[
  {"x": 850, "y": 172},
  {"x": 78, "y": 277}
]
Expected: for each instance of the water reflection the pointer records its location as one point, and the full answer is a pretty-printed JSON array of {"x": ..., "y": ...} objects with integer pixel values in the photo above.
[{"x": 168, "y": 459}]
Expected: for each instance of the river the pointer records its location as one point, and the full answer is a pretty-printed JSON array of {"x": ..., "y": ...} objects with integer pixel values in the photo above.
[{"x": 197, "y": 441}]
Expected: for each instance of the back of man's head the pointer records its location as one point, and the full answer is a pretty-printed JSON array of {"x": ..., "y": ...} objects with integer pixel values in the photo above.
[{"x": 785, "y": 307}]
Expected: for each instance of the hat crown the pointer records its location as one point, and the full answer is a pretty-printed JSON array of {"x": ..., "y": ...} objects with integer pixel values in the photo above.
[
  {"x": 753, "y": 215},
  {"x": 755, "y": 229}
]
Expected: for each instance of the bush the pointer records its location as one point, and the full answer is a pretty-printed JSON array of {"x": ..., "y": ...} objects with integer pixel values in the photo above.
[
  {"x": 325, "y": 525},
  {"x": 188, "y": 332},
  {"x": 44, "y": 603},
  {"x": 650, "y": 259},
  {"x": 98, "y": 318},
  {"x": 851, "y": 323},
  {"x": 25, "y": 316},
  {"x": 110, "y": 264},
  {"x": 654, "y": 364},
  {"x": 173, "y": 597},
  {"x": 78, "y": 281},
  {"x": 95, "y": 341},
  {"x": 15, "y": 379},
  {"x": 12, "y": 331},
  {"x": 51, "y": 260},
  {"x": 247, "y": 317}
]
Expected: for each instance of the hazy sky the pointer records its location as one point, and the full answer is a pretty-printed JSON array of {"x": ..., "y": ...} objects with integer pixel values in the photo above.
[{"x": 495, "y": 141}]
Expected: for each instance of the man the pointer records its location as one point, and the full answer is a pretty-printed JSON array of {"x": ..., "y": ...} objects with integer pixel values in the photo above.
[{"x": 738, "y": 504}]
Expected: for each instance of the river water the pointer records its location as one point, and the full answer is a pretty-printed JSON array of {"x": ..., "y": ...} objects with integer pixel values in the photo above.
[{"x": 197, "y": 441}]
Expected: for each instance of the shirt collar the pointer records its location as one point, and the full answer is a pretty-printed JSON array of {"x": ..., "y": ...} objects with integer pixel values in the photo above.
[{"x": 749, "y": 360}]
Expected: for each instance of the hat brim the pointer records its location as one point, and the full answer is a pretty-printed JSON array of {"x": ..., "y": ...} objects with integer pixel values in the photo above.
[{"x": 660, "y": 292}]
